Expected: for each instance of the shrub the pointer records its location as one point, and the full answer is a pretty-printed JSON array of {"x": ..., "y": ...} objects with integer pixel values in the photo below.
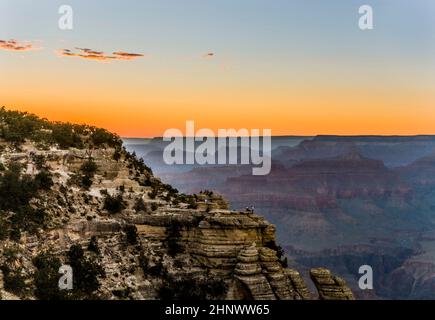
[
  {"x": 153, "y": 194},
  {"x": 16, "y": 191},
  {"x": 39, "y": 161},
  {"x": 29, "y": 219},
  {"x": 86, "y": 273},
  {"x": 93, "y": 245},
  {"x": 76, "y": 253},
  {"x": 279, "y": 252},
  {"x": 86, "y": 182},
  {"x": 15, "y": 234},
  {"x": 192, "y": 204},
  {"x": 131, "y": 233},
  {"x": 173, "y": 237},
  {"x": 154, "y": 269},
  {"x": 136, "y": 163},
  {"x": 88, "y": 170},
  {"x": 89, "y": 167},
  {"x": 14, "y": 279},
  {"x": 44, "y": 180},
  {"x": 114, "y": 204},
  {"x": 18, "y": 126},
  {"x": 4, "y": 227},
  {"x": 140, "y": 205},
  {"x": 46, "y": 278},
  {"x": 284, "y": 263},
  {"x": 65, "y": 135},
  {"x": 101, "y": 137},
  {"x": 208, "y": 193},
  {"x": 170, "y": 189},
  {"x": 117, "y": 154}
]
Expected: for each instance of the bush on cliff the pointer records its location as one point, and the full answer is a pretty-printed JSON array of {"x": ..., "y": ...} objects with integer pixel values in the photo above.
[
  {"x": 114, "y": 204},
  {"x": 4, "y": 227},
  {"x": 93, "y": 245},
  {"x": 16, "y": 191},
  {"x": 17, "y": 127},
  {"x": 46, "y": 278},
  {"x": 88, "y": 170},
  {"x": 66, "y": 136},
  {"x": 86, "y": 273},
  {"x": 140, "y": 206},
  {"x": 173, "y": 239},
  {"x": 148, "y": 267},
  {"x": 279, "y": 252},
  {"x": 101, "y": 137},
  {"x": 14, "y": 278},
  {"x": 44, "y": 180},
  {"x": 131, "y": 234}
]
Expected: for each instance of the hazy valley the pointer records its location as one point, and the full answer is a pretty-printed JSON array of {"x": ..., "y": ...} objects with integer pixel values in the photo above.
[{"x": 336, "y": 201}]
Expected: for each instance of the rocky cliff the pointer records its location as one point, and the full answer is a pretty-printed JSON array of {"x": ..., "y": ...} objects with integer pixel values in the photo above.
[{"x": 72, "y": 195}]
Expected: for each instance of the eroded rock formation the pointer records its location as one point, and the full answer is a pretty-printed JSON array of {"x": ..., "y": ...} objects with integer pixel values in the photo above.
[{"x": 330, "y": 287}]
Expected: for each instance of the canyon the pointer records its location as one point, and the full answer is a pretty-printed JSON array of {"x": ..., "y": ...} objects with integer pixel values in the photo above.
[
  {"x": 98, "y": 208},
  {"x": 338, "y": 201}
]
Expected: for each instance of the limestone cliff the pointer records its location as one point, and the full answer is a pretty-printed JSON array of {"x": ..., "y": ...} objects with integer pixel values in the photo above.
[{"x": 87, "y": 202}]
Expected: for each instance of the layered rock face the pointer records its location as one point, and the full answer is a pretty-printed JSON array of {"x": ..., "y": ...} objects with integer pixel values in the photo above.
[
  {"x": 232, "y": 246},
  {"x": 263, "y": 277},
  {"x": 329, "y": 286}
]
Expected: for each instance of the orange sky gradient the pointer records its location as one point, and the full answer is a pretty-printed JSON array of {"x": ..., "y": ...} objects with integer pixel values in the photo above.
[
  {"x": 301, "y": 111},
  {"x": 285, "y": 66}
]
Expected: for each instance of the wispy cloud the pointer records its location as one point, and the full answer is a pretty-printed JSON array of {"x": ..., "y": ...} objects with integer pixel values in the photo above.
[
  {"x": 90, "y": 54},
  {"x": 127, "y": 56},
  {"x": 15, "y": 45}
]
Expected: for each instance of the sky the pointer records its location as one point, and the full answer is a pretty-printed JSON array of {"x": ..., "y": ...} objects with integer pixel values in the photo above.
[{"x": 300, "y": 67}]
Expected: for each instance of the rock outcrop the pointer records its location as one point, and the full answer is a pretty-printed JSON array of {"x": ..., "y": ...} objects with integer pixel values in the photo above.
[{"x": 330, "y": 287}]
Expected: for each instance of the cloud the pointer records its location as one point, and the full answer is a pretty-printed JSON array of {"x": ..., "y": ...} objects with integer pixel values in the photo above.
[
  {"x": 15, "y": 45},
  {"x": 127, "y": 56},
  {"x": 90, "y": 51},
  {"x": 89, "y": 54}
]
